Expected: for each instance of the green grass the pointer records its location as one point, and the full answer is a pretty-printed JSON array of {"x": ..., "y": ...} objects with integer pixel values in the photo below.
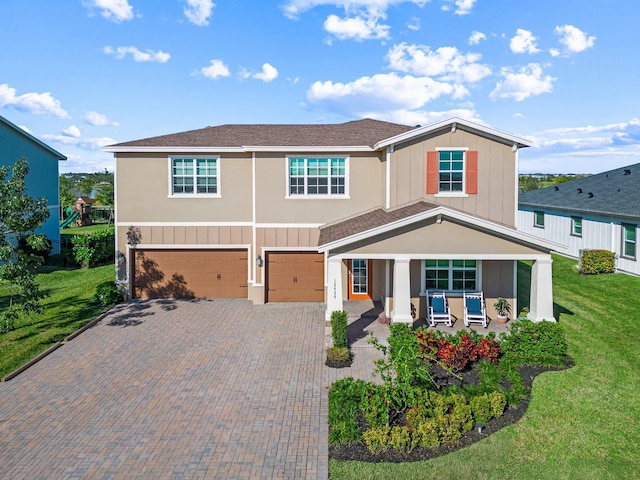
[
  {"x": 67, "y": 308},
  {"x": 581, "y": 423},
  {"x": 87, "y": 229}
]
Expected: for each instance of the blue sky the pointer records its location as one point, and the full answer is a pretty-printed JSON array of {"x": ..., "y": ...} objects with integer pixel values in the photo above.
[{"x": 81, "y": 74}]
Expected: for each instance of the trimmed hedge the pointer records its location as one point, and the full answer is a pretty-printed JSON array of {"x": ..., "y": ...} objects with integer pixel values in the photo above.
[
  {"x": 594, "y": 262},
  {"x": 91, "y": 249}
]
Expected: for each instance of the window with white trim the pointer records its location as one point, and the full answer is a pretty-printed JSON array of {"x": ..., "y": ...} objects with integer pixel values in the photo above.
[
  {"x": 629, "y": 241},
  {"x": 451, "y": 275},
  {"x": 317, "y": 176},
  {"x": 576, "y": 226},
  {"x": 538, "y": 219},
  {"x": 451, "y": 171},
  {"x": 194, "y": 176}
]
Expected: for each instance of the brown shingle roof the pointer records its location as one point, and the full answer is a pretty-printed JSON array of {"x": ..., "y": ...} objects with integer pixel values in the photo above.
[
  {"x": 370, "y": 220},
  {"x": 365, "y": 132}
]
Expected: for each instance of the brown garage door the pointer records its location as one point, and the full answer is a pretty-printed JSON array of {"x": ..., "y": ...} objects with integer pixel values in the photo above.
[
  {"x": 295, "y": 277},
  {"x": 189, "y": 273}
]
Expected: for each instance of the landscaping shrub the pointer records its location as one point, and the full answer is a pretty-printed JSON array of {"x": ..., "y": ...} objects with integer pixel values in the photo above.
[
  {"x": 107, "y": 293},
  {"x": 481, "y": 408},
  {"x": 345, "y": 396},
  {"x": 339, "y": 328},
  {"x": 532, "y": 343},
  {"x": 374, "y": 406},
  {"x": 338, "y": 355},
  {"x": 594, "y": 262},
  {"x": 90, "y": 249}
]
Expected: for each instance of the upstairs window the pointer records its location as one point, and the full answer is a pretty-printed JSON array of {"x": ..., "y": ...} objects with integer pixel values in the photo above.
[
  {"x": 323, "y": 176},
  {"x": 451, "y": 275},
  {"x": 538, "y": 219},
  {"x": 576, "y": 226},
  {"x": 452, "y": 172},
  {"x": 629, "y": 241},
  {"x": 194, "y": 176}
]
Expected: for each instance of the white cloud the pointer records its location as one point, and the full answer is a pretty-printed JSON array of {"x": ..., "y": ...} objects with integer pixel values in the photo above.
[
  {"x": 84, "y": 143},
  {"x": 38, "y": 103},
  {"x": 414, "y": 24},
  {"x": 98, "y": 120},
  {"x": 554, "y": 52},
  {"x": 198, "y": 12},
  {"x": 269, "y": 73},
  {"x": 476, "y": 37},
  {"x": 368, "y": 96},
  {"x": 293, "y": 8},
  {"x": 358, "y": 28},
  {"x": 527, "y": 81},
  {"x": 113, "y": 10},
  {"x": 448, "y": 63},
  {"x": 574, "y": 39},
  {"x": 138, "y": 55},
  {"x": 215, "y": 70},
  {"x": 524, "y": 42},
  {"x": 72, "y": 131},
  {"x": 463, "y": 7}
]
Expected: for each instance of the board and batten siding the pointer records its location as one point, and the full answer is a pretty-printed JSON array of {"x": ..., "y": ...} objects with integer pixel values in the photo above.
[{"x": 597, "y": 233}]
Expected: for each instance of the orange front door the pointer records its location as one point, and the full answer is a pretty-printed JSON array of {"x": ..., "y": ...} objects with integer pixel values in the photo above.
[{"x": 359, "y": 279}]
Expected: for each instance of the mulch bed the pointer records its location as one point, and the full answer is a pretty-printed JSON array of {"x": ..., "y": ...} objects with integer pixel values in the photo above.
[{"x": 359, "y": 451}]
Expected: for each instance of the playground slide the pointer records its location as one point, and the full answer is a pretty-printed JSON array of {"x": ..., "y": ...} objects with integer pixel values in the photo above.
[{"x": 74, "y": 216}]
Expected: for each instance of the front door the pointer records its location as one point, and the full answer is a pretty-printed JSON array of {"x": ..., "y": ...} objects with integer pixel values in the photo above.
[{"x": 360, "y": 279}]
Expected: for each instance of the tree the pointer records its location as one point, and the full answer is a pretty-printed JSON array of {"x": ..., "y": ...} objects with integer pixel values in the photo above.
[
  {"x": 105, "y": 193},
  {"x": 20, "y": 216},
  {"x": 67, "y": 194},
  {"x": 86, "y": 185},
  {"x": 528, "y": 183}
]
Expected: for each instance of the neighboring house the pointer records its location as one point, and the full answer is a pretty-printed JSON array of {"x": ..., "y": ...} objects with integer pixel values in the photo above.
[
  {"x": 596, "y": 212},
  {"x": 360, "y": 210},
  {"x": 42, "y": 180}
]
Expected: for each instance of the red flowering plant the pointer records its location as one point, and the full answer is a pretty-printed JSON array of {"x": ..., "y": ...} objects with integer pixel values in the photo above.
[{"x": 488, "y": 349}]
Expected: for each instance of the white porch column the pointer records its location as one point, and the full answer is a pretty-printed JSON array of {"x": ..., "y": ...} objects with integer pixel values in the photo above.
[
  {"x": 334, "y": 287},
  {"x": 541, "y": 300},
  {"x": 401, "y": 291}
]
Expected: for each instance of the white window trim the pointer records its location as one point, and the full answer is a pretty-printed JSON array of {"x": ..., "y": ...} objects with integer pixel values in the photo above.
[
  {"x": 573, "y": 227},
  {"x": 535, "y": 216},
  {"x": 624, "y": 241},
  {"x": 453, "y": 293},
  {"x": 328, "y": 196},
  {"x": 194, "y": 195},
  {"x": 463, "y": 193}
]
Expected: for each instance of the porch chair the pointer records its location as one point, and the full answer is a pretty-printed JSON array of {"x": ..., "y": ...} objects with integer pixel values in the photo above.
[
  {"x": 474, "y": 309},
  {"x": 439, "y": 309}
]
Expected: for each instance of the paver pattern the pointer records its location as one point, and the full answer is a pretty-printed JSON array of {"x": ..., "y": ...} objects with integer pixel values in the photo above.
[{"x": 175, "y": 389}]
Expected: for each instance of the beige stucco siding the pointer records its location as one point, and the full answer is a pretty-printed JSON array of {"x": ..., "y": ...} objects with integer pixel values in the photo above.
[
  {"x": 495, "y": 199},
  {"x": 143, "y": 192},
  {"x": 430, "y": 238},
  {"x": 272, "y": 205}
]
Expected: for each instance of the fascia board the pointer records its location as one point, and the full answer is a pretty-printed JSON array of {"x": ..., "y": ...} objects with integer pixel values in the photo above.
[
  {"x": 462, "y": 217},
  {"x": 243, "y": 149},
  {"x": 492, "y": 132}
]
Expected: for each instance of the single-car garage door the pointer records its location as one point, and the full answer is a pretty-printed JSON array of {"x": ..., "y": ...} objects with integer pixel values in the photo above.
[
  {"x": 189, "y": 273},
  {"x": 295, "y": 277}
]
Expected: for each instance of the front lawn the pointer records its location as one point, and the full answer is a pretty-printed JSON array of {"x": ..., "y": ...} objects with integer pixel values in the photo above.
[
  {"x": 581, "y": 423},
  {"x": 68, "y": 307}
]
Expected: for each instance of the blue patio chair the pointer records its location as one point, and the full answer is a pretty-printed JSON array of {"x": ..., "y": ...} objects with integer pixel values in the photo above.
[
  {"x": 474, "y": 309},
  {"x": 439, "y": 309}
]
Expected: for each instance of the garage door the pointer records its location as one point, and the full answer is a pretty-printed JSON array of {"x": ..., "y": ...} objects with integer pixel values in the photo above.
[
  {"x": 295, "y": 277},
  {"x": 192, "y": 273}
]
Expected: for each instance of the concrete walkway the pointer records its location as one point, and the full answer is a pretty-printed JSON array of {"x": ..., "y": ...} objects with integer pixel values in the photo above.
[{"x": 175, "y": 389}]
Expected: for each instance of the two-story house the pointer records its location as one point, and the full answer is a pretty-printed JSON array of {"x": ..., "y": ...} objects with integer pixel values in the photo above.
[
  {"x": 360, "y": 210},
  {"x": 42, "y": 181}
]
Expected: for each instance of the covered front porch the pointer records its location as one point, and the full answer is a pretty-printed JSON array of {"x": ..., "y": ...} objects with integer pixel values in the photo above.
[{"x": 425, "y": 248}]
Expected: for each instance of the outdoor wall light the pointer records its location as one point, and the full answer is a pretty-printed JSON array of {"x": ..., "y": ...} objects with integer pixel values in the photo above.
[{"x": 259, "y": 261}]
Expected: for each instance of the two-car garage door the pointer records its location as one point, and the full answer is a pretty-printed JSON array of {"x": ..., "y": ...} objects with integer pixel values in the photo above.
[
  {"x": 189, "y": 273},
  {"x": 209, "y": 273}
]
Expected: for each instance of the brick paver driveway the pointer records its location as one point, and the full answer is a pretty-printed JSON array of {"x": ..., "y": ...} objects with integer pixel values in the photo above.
[{"x": 175, "y": 389}]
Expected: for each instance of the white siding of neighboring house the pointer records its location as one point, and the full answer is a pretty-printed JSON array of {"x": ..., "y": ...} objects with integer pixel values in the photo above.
[{"x": 597, "y": 233}]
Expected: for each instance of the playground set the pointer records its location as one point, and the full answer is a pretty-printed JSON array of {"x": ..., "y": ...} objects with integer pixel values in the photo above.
[{"x": 83, "y": 213}]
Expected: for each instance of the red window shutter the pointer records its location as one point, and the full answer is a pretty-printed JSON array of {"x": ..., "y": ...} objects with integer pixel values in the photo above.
[
  {"x": 432, "y": 172},
  {"x": 472, "y": 172}
]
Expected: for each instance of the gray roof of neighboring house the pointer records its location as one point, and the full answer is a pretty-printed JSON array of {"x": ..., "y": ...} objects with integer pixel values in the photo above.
[
  {"x": 616, "y": 192},
  {"x": 370, "y": 220},
  {"x": 358, "y": 133}
]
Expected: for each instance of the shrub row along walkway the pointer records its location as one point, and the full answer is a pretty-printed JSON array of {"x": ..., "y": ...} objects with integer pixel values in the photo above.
[{"x": 177, "y": 389}]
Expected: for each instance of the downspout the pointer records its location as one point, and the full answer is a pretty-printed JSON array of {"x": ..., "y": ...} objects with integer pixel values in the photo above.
[
  {"x": 253, "y": 254},
  {"x": 387, "y": 203}
]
